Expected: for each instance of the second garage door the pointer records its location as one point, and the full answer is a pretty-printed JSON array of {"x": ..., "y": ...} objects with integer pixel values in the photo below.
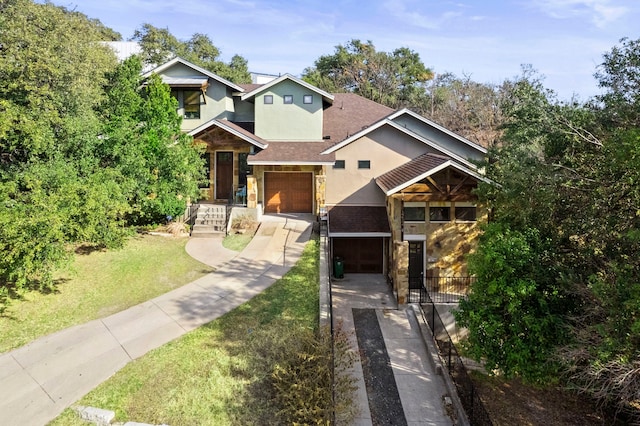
[
  {"x": 288, "y": 192},
  {"x": 360, "y": 255}
]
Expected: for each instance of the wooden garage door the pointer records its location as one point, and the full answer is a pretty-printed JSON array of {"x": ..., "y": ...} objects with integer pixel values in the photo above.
[
  {"x": 288, "y": 192},
  {"x": 360, "y": 255}
]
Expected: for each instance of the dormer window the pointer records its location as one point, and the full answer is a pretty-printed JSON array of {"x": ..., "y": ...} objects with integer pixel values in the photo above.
[
  {"x": 307, "y": 99},
  {"x": 268, "y": 99},
  {"x": 192, "y": 104},
  {"x": 288, "y": 99}
]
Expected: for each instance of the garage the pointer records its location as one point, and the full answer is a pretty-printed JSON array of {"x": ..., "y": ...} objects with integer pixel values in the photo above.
[
  {"x": 360, "y": 255},
  {"x": 288, "y": 192}
]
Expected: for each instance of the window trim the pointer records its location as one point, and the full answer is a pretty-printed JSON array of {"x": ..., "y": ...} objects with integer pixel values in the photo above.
[
  {"x": 339, "y": 164},
  {"x": 307, "y": 99},
  {"x": 268, "y": 99},
  {"x": 364, "y": 164},
  {"x": 287, "y": 99}
]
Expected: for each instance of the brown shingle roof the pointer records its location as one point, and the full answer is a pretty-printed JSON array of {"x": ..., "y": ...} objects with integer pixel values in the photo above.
[
  {"x": 407, "y": 172},
  {"x": 349, "y": 114},
  {"x": 358, "y": 219},
  {"x": 293, "y": 152}
]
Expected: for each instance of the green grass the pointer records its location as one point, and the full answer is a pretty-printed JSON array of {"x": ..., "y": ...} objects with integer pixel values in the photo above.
[
  {"x": 214, "y": 375},
  {"x": 102, "y": 283},
  {"x": 237, "y": 242}
]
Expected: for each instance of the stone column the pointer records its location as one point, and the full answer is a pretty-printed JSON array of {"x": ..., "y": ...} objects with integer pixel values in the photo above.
[
  {"x": 252, "y": 192},
  {"x": 401, "y": 270}
]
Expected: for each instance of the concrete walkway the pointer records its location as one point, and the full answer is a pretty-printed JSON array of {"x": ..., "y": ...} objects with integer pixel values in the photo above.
[
  {"x": 39, "y": 380},
  {"x": 420, "y": 389}
]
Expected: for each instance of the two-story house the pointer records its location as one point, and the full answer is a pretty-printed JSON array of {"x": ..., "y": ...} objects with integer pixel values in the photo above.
[{"x": 397, "y": 188}]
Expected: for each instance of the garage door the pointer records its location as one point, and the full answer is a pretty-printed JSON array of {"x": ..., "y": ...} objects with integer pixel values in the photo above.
[
  {"x": 288, "y": 192},
  {"x": 361, "y": 255}
]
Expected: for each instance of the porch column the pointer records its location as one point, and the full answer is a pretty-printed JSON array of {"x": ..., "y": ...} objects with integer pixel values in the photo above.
[
  {"x": 401, "y": 270},
  {"x": 320, "y": 192},
  {"x": 252, "y": 192}
]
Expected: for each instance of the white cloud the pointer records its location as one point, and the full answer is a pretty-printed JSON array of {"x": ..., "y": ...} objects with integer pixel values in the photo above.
[
  {"x": 399, "y": 10},
  {"x": 600, "y": 12}
]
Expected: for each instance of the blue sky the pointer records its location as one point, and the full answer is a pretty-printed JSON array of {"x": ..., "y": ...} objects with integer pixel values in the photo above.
[{"x": 487, "y": 40}]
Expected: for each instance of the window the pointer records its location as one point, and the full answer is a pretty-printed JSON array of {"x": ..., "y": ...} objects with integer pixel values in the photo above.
[
  {"x": 268, "y": 99},
  {"x": 466, "y": 214},
  {"x": 307, "y": 99},
  {"x": 439, "y": 214},
  {"x": 414, "y": 214},
  {"x": 364, "y": 164},
  {"x": 288, "y": 99},
  {"x": 339, "y": 164},
  {"x": 192, "y": 104}
]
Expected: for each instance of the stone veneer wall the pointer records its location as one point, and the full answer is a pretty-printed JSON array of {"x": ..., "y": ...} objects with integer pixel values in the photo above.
[{"x": 321, "y": 184}]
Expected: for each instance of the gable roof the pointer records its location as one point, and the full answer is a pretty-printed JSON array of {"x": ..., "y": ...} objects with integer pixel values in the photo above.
[
  {"x": 178, "y": 60},
  {"x": 420, "y": 168},
  {"x": 403, "y": 129},
  {"x": 435, "y": 125},
  {"x": 327, "y": 97},
  {"x": 232, "y": 128}
]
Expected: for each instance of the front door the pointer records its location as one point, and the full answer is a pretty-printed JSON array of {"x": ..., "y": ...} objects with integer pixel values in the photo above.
[
  {"x": 416, "y": 264},
  {"x": 224, "y": 174}
]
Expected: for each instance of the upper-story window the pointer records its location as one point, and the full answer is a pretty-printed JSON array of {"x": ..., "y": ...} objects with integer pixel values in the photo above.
[
  {"x": 339, "y": 164},
  {"x": 439, "y": 213},
  {"x": 288, "y": 99},
  {"x": 307, "y": 99},
  {"x": 268, "y": 99},
  {"x": 465, "y": 214},
  {"x": 414, "y": 214},
  {"x": 364, "y": 164},
  {"x": 191, "y": 101}
]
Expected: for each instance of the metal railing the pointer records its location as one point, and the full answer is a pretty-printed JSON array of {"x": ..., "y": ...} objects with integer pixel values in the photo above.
[
  {"x": 439, "y": 289},
  {"x": 473, "y": 406}
]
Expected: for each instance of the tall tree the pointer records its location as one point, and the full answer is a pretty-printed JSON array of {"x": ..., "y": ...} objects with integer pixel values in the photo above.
[
  {"x": 159, "y": 45},
  {"x": 394, "y": 79},
  {"x": 569, "y": 178}
]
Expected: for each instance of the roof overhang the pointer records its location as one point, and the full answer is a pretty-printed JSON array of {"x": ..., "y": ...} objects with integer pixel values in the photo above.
[
  {"x": 326, "y": 96},
  {"x": 399, "y": 127},
  {"x": 231, "y": 129},
  {"x": 289, "y": 163},
  {"x": 177, "y": 60},
  {"x": 435, "y": 125},
  {"x": 432, "y": 172}
]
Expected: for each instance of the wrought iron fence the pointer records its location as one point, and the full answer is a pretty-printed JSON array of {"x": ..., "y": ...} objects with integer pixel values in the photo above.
[
  {"x": 467, "y": 393},
  {"x": 440, "y": 289}
]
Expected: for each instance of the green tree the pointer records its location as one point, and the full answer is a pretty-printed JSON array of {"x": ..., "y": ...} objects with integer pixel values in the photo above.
[
  {"x": 159, "y": 46},
  {"x": 394, "y": 79}
]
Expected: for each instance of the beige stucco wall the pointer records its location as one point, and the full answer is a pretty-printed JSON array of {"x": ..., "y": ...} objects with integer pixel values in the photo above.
[
  {"x": 218, "y": 104},
  {"x": 449, "y": 142},
  {"x": 386, "y": 148},
  {"x": 291, "y": 122}
]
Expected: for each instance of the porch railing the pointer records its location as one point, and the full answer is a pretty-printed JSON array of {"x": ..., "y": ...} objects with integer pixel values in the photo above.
[{"x": 439, "y": 289}]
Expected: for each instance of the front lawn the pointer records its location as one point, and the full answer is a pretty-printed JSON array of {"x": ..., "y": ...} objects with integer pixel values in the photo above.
[
  {"x": 225, "y": 372},
  {"x": 104, "y": 282}
]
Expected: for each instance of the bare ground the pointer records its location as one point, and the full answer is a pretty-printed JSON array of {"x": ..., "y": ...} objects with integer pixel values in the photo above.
[{"x": 510, "y": 402}]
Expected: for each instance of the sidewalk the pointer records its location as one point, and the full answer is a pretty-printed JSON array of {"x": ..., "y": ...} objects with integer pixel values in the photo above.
[{"x": 41, "y": 379}]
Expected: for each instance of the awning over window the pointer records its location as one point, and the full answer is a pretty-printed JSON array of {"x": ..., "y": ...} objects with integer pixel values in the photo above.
[{"x": 200, "y": 82}]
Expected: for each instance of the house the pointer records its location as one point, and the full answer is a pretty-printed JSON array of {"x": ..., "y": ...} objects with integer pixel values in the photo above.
[{"x": 396, "y": 187}]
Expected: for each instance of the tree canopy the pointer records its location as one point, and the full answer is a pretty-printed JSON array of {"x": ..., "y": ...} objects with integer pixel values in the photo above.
[
  {"x": 557, "y": 294},
  {"x": 159, "y": 46},
  {"x": 85, "y": 148}
]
